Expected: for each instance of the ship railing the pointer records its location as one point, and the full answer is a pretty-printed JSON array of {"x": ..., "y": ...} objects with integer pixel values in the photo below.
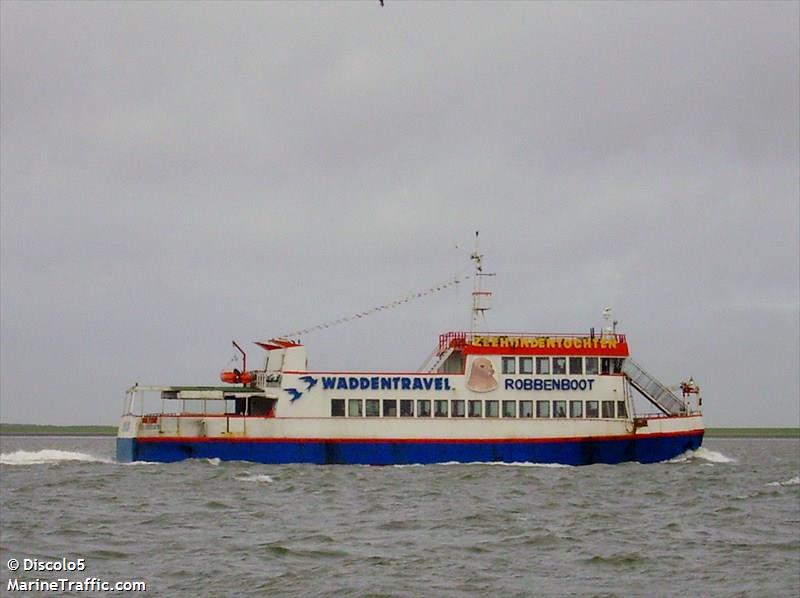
[
  {"x": 452, "y": 340},
  {"x": 660, "y": 415},
  {"x": 268, "y": 379},
  {"x": 143, "y": 396},
  {"x": 194, "y": 400}
]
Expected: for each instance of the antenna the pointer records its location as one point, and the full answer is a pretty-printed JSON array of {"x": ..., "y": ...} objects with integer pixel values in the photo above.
[
  {"x": 480, "y": 298},
  {"x": 607, "y": 316}
]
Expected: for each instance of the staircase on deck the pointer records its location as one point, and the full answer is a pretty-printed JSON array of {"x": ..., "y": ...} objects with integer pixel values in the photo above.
[
  {"x": 440, "y": 361},
  {"x": 653, "y": 390}
]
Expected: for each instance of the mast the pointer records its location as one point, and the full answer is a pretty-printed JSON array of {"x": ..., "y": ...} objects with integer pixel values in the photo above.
[{"x": 480, "y": 298}]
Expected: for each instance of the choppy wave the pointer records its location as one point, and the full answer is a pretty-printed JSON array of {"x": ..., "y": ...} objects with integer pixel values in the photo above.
[
  {"x": 702, "y": 454},
  {"x": 521, "y": 464},
  {"x": 48, "y": 456},
  {"x": 378, "y": 531},
  {"x": 255, "y": 477},
  {"x": 496, "y": 463},
  {"x": 795, "y": 481}
]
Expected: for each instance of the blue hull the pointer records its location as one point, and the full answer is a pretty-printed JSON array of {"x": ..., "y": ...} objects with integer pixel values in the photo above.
[{"x": 569, "y": 452}]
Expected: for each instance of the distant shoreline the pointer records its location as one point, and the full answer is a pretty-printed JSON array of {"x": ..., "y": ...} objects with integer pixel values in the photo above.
[
  {"x": 48, "y": 430},
  {"x": 43, "y": 430},
  {"x": 752, "y": 433}
]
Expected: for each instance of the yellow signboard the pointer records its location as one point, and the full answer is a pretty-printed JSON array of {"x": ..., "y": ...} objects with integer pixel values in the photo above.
[{"x": 545, "y": 342}]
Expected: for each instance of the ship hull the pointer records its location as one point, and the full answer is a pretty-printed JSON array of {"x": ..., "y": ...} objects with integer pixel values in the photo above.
[{"x": 642, "y": 448}]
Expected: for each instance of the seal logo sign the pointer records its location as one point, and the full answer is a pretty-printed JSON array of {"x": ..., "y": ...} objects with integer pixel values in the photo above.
[{"x": 481, "y": 375}]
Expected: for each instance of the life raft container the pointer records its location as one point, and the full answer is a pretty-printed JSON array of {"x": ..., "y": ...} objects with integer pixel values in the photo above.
[{"x": 237, "y": 377}]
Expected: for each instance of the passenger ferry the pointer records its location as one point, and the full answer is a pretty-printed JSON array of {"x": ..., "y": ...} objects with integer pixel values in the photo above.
[{"x": 481, "y": 397}]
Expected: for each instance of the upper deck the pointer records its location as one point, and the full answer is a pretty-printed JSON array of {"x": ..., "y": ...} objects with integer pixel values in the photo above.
[{"x": 515, "y": 343}]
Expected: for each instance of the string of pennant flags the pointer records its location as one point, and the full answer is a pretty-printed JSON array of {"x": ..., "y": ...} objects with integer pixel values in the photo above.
[{"x": 418, "y": 295}]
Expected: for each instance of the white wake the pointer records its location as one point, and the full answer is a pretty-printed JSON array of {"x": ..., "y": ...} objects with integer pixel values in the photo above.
[
  {"x": 254, "y": 477},
  {"x": 495, "y": 463},
  {"x": 702, "y": 454},
  {"x": 795, "y": 481},
  {"x": 48, "y": 456}
]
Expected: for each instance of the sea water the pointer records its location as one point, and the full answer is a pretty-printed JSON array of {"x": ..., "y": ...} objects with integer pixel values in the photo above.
[{"x": 721, "y": 521}]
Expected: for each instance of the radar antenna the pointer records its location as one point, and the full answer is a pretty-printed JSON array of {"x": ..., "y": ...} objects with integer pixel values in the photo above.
[{"x": 609, "y": 328}]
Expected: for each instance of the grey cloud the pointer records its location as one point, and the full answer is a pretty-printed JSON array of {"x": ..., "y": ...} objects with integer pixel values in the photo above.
[{"x": 175, "y": 175}]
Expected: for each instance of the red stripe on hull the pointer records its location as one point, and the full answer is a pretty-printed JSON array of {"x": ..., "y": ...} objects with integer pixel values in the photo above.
[{"x": 697, "y": 432}]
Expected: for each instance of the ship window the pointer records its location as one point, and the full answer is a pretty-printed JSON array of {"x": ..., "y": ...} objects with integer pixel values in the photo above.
[
  {"x": 355, "y": 408},
  {"x": 492, "y": 408},
  {"x": 407, "y": 408},
  {"x": 337, "y": 407},
  {"x": 373, "y": 408},
  {"x": 218, "y": 407},
  {"x": 592, "y": 409},
  {"x": 608, "y": 408},
  {"x": 389, "y": 407},
  {"x": 576, "y": 365},
  {"x": 526, "y": 408},
  {"x": 559, "y": 409},
  {"x": 616, "y": 366},
  {"x": 474, "y": 408},
  {"x": 542, "y": 365},
  {"x": 263, "y": 407},
  {"x": 509, "y": 365},
  {"x": 457, "y": 408},
  {"x": 423, "y": 408},
  {"x": 440, "y": 408},
  {"x": 542, "y": 408},
  {"x": 605, "y": 366},
  {"x": 453, "y": 364},
  {"x": 193, "y": 406},
  {"x": 509, "y": 409},
  {"x": 576, "y": 408},
  {"x": 559, "y": 365},
  {"x": 591, "y": 365},
  {"x": 526, "y": 365},
  {"x": 622, "y": 411}
]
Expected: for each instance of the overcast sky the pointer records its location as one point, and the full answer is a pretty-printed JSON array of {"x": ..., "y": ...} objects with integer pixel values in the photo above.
[{"x": 178, "y": 175}]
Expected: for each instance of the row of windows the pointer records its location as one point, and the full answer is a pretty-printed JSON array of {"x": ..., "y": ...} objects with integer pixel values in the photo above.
[
  {"x": 476, "y": 408},
  {"x": 563, "y": 365}
]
